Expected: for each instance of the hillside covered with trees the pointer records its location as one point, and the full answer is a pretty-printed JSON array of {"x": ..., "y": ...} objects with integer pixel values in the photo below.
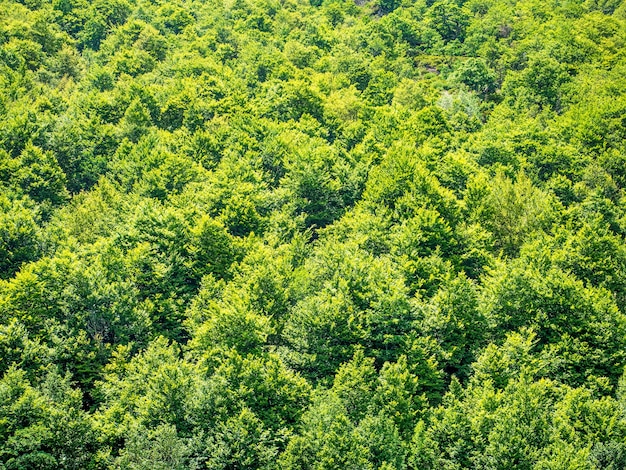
[{"x": 325, "y": 234}]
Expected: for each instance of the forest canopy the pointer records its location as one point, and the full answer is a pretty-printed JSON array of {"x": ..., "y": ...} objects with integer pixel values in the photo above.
[{"x": 313, "y": 234}]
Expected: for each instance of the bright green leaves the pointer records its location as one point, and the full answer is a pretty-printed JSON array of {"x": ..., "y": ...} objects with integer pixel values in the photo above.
[
  {"x": 36, "y": 174},
  {"x": 353, "y": 300},
  {"x": 538, "y": 84},
  {"x": 43, "y": 426},
  {"x": 238, "y": 412},
  {"x": 242, "y": 442},
  {"x": 578, "y": 328},
  {"x": 529, "y": 425},
  {"x": 149, "y": 390},
  {"x": 291, "y": 100},
  {"x": 229, "y": 323},
  {"x": 452, "y": 318},
  {"x": 397, "y": 395},
  {"x": 448, "y": 19},
  {"x": 272, "y": 234},
  {"x": 402, "y": 184},
  {"x": 211, "y": 248},
  {"x": 476, "y": 75},
  {"x": 330, "y": 440},
  {"x": 512, "y": 211},
  {"x": 136, "y": 121},
  {"x": 157, "y": 448},
  {"x": 359, "y": 422},
  {"x": 40, "y": 176},
  {"x": 19, "y": 236},
  {"x": 318, "y": 179},
  {"x": 18, "y": 350},
  {"x": 276, "y": 395},
  {"x": 354, "y": 385},
  {"x": 149, "y": 167}
]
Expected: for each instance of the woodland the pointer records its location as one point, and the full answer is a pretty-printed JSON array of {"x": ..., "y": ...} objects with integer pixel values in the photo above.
[{"x": 315, "y": 235}]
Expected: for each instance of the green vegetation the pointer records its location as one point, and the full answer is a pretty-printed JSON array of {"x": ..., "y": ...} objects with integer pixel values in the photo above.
[{"x": 325, "y": 234}]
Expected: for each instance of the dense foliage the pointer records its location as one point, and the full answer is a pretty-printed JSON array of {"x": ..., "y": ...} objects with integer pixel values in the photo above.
[{"x": 282, "y": 234}]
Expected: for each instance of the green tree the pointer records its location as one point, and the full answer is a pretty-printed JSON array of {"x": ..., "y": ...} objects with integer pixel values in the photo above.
[
  {"x": 44, "y": 425},
  {"x": 512, "y": 210},
  {"x": 577, "y": 327},
  {"x": 40, "y": 176},
  {"x": 157, "y": 448},
  {"x": 453, "y": 319},
  {"x": 352, "y": 299},
  {"x": 19, "y": 236},
  {"x": 448, "y": 19}
]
